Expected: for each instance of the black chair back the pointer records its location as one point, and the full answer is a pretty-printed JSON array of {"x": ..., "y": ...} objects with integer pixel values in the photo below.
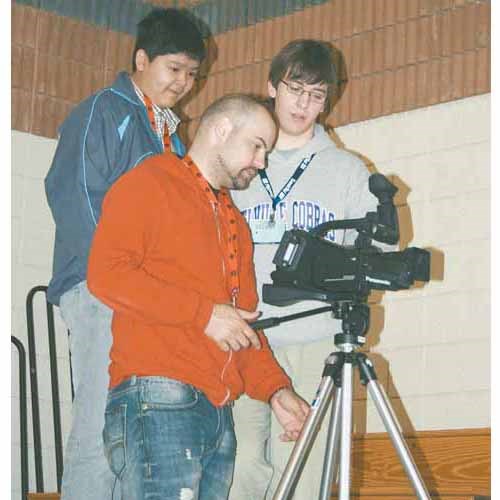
[
  {"x": 56, "y": 410},
  {"x": 23, "y": 415}
]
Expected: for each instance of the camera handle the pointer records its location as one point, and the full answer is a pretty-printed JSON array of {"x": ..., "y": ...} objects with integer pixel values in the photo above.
[
  {"x": 381, "y": 225},
  {"x": 262, "y": 324},
  {"x": 338, "y": 377}
]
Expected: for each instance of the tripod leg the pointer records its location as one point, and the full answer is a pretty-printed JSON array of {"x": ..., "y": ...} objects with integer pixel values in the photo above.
[
  {"x": 305, "y": 441},
  {"x": 345, "y": 437},
  {"x": 333, "y": 365},
  {"x": 331, "y": 449},
  {"x": 388, "y": 417}
]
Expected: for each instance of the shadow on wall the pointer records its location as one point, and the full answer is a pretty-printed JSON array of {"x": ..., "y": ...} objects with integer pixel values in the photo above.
[
  {"x": 377, "y": 311},
  {"x": 406, "y": 233}
]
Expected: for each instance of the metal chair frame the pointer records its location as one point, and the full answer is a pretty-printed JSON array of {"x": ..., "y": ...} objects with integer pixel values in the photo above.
[
  {"x": 23, "y": 415},
  {"x": 56, "y": 411}
]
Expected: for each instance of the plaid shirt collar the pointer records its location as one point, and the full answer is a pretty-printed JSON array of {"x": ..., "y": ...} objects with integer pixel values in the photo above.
[{"x": 163, "y": 117}]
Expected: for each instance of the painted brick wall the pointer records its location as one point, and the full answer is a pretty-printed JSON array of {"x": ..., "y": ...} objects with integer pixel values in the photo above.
[{"x": 399, "y": 55}]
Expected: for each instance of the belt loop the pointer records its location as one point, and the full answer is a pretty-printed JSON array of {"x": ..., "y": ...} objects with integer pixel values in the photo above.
[{"x": 133, "y": 380}]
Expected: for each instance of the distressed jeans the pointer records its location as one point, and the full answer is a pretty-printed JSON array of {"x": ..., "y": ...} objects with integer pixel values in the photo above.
[
  {"x": 164, "y": 440},
  {"x": 86, "y": 474}
]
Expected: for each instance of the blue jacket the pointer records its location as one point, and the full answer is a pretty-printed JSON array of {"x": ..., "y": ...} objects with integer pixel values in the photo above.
[{"x": 106, "y": 135}]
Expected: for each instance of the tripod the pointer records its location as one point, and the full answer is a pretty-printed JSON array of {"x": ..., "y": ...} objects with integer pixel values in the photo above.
[{"x": 338, "y": 377}]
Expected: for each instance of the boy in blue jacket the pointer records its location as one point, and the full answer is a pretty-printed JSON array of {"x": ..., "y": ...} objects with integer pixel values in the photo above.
[{"x": 106, "y": 135}]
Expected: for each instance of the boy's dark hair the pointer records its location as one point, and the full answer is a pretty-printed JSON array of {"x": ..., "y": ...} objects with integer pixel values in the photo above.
[
  {"x": 169, "y": 31},
  {"x": 306, "y": 61}
]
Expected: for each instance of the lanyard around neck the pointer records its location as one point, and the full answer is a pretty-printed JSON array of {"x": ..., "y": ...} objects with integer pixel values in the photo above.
[
  {"x": 226, "y": 227},
  {"x": 152, "y": 121},
  {"x": 285, "y": 190}
]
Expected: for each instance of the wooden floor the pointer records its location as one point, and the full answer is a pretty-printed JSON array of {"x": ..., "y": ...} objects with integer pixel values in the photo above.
[
  {"x": 454, "y": 464},
  {"x": 43, "y": 496}
]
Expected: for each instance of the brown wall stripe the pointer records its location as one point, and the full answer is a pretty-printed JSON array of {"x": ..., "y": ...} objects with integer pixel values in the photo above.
[{"x": 399, "y": 55}]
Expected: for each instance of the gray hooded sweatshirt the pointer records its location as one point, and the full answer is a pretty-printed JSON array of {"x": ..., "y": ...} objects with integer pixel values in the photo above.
[{"x": 333, "y": 186}]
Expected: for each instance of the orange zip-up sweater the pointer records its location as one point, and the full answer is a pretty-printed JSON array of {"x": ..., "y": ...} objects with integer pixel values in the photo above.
[{"x": 159, "y": 260}]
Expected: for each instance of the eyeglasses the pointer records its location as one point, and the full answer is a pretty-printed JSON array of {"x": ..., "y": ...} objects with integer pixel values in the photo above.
[{"x": 298, "y": 90}]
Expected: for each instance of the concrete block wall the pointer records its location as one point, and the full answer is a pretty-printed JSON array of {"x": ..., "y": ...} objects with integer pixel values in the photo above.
[
  {"x": 32, "y": 233},
  {"x": 433, "y": 349},
  {"x": 435, "y": 340}
]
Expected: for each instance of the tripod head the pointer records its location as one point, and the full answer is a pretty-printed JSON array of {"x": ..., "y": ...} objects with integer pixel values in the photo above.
[{"x": 355, "y": 318}]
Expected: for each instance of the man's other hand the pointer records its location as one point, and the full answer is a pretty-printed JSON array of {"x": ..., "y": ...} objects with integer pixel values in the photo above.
[
  {"x": 229, "y": 329},
  {"x": 291, "y": 411}
]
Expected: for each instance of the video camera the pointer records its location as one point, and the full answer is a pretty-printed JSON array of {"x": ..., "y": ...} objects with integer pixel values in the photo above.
[{"x": 309, "y": 267}]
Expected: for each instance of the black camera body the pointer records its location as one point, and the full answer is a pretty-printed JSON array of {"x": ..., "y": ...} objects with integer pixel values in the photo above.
[
  {"x": 310, "y": 262},
  {"x": 311, "y": 267}
]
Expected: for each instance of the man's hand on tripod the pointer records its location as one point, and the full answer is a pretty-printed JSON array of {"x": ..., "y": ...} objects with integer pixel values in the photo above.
[
  {"x": 291, "y": 411},
  {"x": 229, "y": 329}
]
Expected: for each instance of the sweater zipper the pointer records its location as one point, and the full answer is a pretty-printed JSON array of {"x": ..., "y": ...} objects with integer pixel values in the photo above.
[{"x": 226, "y": 364}]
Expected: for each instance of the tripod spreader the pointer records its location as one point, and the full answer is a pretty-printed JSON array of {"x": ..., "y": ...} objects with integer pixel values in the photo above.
[{"x": 336, "y": 361}]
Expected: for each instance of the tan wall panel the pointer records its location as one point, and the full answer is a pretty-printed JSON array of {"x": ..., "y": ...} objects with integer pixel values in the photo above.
[
  {"x": 422, "y": 52},
  {"x": 21, "y": 109},
  {"x": 24, "y": 25}
]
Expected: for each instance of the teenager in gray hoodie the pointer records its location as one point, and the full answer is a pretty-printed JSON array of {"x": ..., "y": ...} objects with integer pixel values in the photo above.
[{"x": 309, "y": 181}]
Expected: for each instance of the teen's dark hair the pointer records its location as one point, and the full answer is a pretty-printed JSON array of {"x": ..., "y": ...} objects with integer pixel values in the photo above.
[
  {"x": 169, "y": 31},
  {"x": 306, "y": 61}
]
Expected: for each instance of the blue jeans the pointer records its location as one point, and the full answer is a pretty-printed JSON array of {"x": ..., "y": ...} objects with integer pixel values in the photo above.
[
  {"x": 86, "y": 473},
  {"x": 165, "y": 441}
]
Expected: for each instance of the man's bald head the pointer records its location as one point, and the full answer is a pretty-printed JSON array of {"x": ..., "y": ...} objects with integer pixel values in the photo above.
[{"x": 238, "y": 108}]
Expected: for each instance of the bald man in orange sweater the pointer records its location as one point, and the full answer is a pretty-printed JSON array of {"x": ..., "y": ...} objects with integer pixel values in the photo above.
[{"x": 172, "y": 257}]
